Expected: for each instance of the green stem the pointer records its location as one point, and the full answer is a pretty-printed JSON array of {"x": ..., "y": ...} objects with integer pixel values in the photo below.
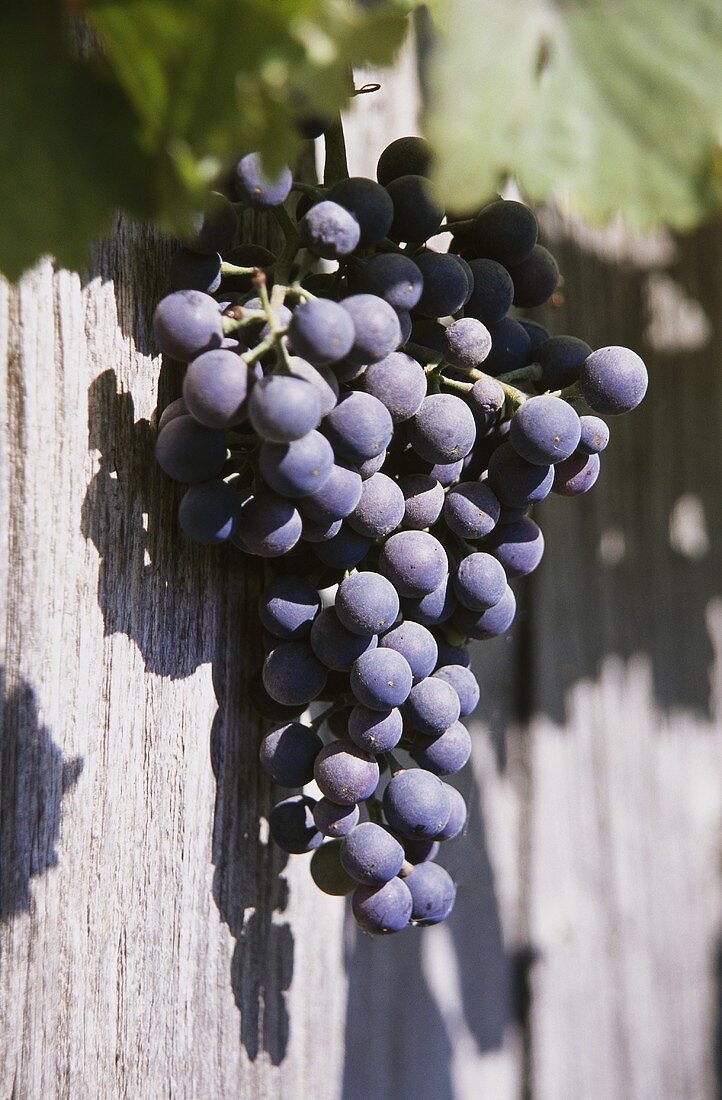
[
  {"x": 232, "y": 324},
  {"x": 259, "y": 350},
  {"x": 462, "y": 227},
  {"x": 571, "y": 393},
  {"x": 454, "y": 385},
  {"x": 533, "y": 373},
  {"x": 293, "y": 242},
  {"x": 232, "y": 269},
  {"x": 310, "y": 189},
  {"x": 336, "y": 166}
]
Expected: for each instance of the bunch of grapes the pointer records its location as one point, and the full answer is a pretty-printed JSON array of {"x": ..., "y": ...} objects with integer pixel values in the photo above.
[{"x": 379, "y": 432}]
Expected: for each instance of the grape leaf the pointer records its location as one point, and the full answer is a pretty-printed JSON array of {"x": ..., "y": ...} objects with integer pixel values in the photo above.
[{"x": 606, "y": 107}]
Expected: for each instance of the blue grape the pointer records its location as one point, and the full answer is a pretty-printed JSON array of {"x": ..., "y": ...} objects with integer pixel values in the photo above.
[
  {"x": 370, "y": 204},
  {"x": 519, "y": 547},
  {"x": 319, "y": 532},
  {"x": 594, "y": 435},
  {"x": 336, "y": 498},
  {"x": 376, "y": 326},
  {"x": 299, "y": 468},
  {"x": 194, "y": 271},
  {"x": 446, "y": 286},
  {"x": 445, "y": 754},
  {"x": 360, "y": 427},
  {"x": 329, "y": 231},
  {"x": 418, "y": 209},
  {"x": 292, "y": 674},
  {"x": 287, "y": 754},
  {"x": 510, "y": 346},
  {"x": 537, "y": 335},
  {"x": 424, "y": 499},
  {"x": 399, "y": 383},
  {"x": 469, "y": 276},
  {"x": 446, "y": 473},
  {"x": 187, "y": 323},
  {"x": 375, "y": 731},
  {"x": 336, "y": 646},
  {"x": 254, "y": 187},
  {"x": 419, "y": 850},
  {"x": 535, "y": 279},
  {"x": 451, "y": 654},
  {"x": 327, "y": 872},
  {"x": 209, "y": 512},
  {"x": 381, "y": 679},
  {"x": 434, "y": 608},
  {"x": 346, "y": 774},
  {"x": 613, "y": 380},
  {"x": 467, "y": 343},
  {"x": 516, "y": 482},
  {"x": 457, "y": 817},
  {"x": 345, "y": 550},
  {"x": 464, "y": 683},
  {"x": 416, "y": 643},
  {"x": 471, "y": 510},
  {"x": 416, "y": 803},
  {"x": 170, "y": 412},
  {"x": 545, "y": 430},
  {"x": 489, "y": 624},
  {"x": 367, "y": 603},
  {"x": 382, "y": 910},
  {"x": 393, "y": 277},
  {"x": 561, "y": 359},
  {"x": 406, "y": 325},
  {"x": 371, "y": 466},
  {"x": 321, "y": 378},
  {"x": 215, "y": 388},
  {"x": 443, "y": 430},
  {"x": 576, "y": 475},
  {"x": 403, "y": 157},
  {"x": 188, "y": 451},
  {"x": 334, "y": 820},
  {"x": 433, "y": 893},
  {"x": 282, "y": 408},
  {"x": 415, "y": 562},
  {"x": 269, "y": 526},
  {"x": 380, "y": 508},
  {"x": 215, "y": 229},
  {"x": 492, "y": 294},
  {"x": 321, "y": 332},
  {"x": 262, "y": 702},
  {"x": 428, "y": 333},
  {"x": 432, "y": 706},
  {"x": 479, "y": 581},
  {"x": 505, "y": 231},
  {"x": 287, "y": 607},
  {"x": 292, "y": 826},
  {"x": 371, "y": 854}
]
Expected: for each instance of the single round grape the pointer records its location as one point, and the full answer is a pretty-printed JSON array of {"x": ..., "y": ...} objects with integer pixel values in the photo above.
[
  {"x": 492, "y": 294},
  {"x": 424, "y": 499},
  {"x": 418, "y": 849},
  {"x": 292, "y": 827},
  {"x": 416, "y": 803},
  {"x": 467, "y": 343},
  {"x": 188, "y": 451},
  {"x": 215, "y": 229},
  {"x": 334, "y": 820},
  {"x": 576, "y": 475},
  {"x": 375, "y": 731},
  {"x": 282, "y": 408},
  {"x": 287, "y": 754},
  {"x": 329, "y": 231},
  {"x": 537, "y": 335},
  {"x": 446, "y": 286},
  {"x": 382, "y": 910},
  {"x": 446, "y": 754},
  {"x": 393, "y": 277},
  {"x": 561, "y": 359},
  {"x": 594, "y": 435},
  {"x": 371, "y": 854},
  {"x": 464, "y": 683},
  {"x": 321, "y": 332},
  {"x": 545, "y": 430},
  {"x": 416, "y": 643},
  {"x": 516, "y": 482},
  {"x": 451, "y": 654},
  {"x": 256, "y": 188},
  {"x": 433, "y": 893},
  {"x": 209, "y": 512},
  {"x": 287, "y": 607},
  {"x": 519, "y": 547},
  {"x": 327, "y": 871},
  {"x": 321, "y": 378},
  {"x": 367, "y": 603},
  {"x": 536, "y": 279},
  {"x": 369, "y": 203},
  {"x": 510, "y": 346},
  {"x": 293, "y": 674},
  {"x": 489, "y": 624},
  {"x": 215, "y": 388},
  {"x": 299, "y": 468},
  {"x": 187, "y": 323},
  {"x": 371, "y": 466},
  {"x": 336, "y": 498},
  {"x": 434, "y": 608},
  {"x": 399, "y": 383},
  {"x": 269, "y": 525},
  {"x": 471, "y": 510},
  {"x": 613, "y": 380},
  {"x": 403, "y": 157},
  {"x": 346, "y": 774},
  {"x": 457, "y": 817},
  {"x": 319, "y": 532},
  {"x": 381, "y": 679},
  {"x": 194, "y": 271},
  {"x": 432, "y": 706},
  {"x": 415, "y": 562},
  {"x": 345, "y": 550},
  {"x": 446, "y": 473},
  {"x": 376, "y": 327},
  {"x": 418, "y": 209},
  {"x": 360, "y": 427},
  {"x": 380, "y": 508},
  {"x": 505, "y": 231},
  {"x": 336, "y": 646},
  {"x": 443, "y": 430},
  {"x": 262, "y": 702}
]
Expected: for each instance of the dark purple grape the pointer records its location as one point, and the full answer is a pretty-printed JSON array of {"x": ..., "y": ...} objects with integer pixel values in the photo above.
[
  {"x": 215, "y": 388},
  {"x": 380, "y": 508},
  {"x": 537, "y": 335},
  {"x": 282, "y": 408},
  {"x": 443, "y": 430},
  {"x": 327, "y": 872},
  {"x": 170, "y": 412},
  {"x": 489, "y": 624},
  {"x": 415, "y": 562},
  {"x": 545, "y": 430},
  {"x": 370, "y": 205},
  {"x": 519, "y": 547},
  {"x": 418, "y": 209},
  {"x": 536, "y": 279},
  {"x": 467, "y": 343},
  {"x": 516, "y": 482},
  {"x": 457, "y": 817},
  {"x": 188, "y": 451},
  {"x": 576, "y": 475},
  {"x": 371, "y": 854},
  {"x": 436, "y": 607},
  {"x": 375, "y": 731},
  {"x": 432, "y": 706},
  {"x": 433, "y": 893},
  {"x": 334, "y": 820},
  {"x": 345, "y": 550},
  {"x": 321, "y": 332},
  {"x": 445, "y": 754},
  {"x": 446, "y": 286},
  {"x": 492, "y": 294},
  {"x": 214, "y": 230},
  {"x": 404, "y": 157},
  {"x": 424, "y": 500},
  {"x": 190, "y": 270},
  {"x": 464, "y": 683},
  {"x": 346, "y": 774},
  {"x": 209, "y": 512},
  {"x": 594, "y": 435},
  {"x": 256, "y": 188},
  {"x": 321, "y": 378},
  {"x": 360, "y": 427},
  {"x": 471, "y": 510},
  {"x": 399, "y": 383},
  {"x": 561, "y": 359},
  {"x": 451, "y": 654},
  {"x": 376, "y": 326},
  {"x": 335, "y": 646},
  {"x": 479, "y": 581},
  {"x": 329, "y": 231},
  {"x": 417, "y": 644},
  {"x": 337, "y": 497},
  {"x": 393, "y": 277},
  {"x": 613, "y": 380},
  {"x": 287, "y": 754},
  {"x": 381, "y": 679},
  {"x": 382, "y": 910},
  {"x": 187, "y": 323},
  {"x": 416, "y": 803},
  {"x": 505, "y": 231},
  {"x": 299, "y": 468},
  {"x": 292, "y": 674},
  {"x": 510, "y": 346},
  {"x": 269, "y": 526},
  {"x": 287, "y": 607},
  {"x": 367, "y": 603}
]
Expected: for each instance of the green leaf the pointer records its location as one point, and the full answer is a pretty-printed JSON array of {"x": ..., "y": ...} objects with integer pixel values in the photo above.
[{"x": 606, "y": 107}]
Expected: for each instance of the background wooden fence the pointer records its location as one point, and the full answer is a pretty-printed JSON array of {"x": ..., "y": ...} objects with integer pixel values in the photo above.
[{"x": 153, "y": 944}]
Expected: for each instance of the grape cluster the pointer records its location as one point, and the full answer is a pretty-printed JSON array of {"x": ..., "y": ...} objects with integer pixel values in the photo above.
[{"x": 379, "y": 433}]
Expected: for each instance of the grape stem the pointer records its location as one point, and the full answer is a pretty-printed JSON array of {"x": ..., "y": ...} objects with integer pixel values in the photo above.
[
  {"x": 532, "y": 373},
  {"x": 312, "y": 190},
  {"x": 462, "y": 227},
  {"x": 233, "y": 269},
  {"x": 336, "y": 166},
  {"x": 232, "y": 324}
]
